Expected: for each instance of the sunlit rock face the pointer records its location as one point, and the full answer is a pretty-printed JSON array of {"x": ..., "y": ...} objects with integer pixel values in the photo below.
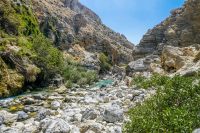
[
  {"x": 68, "y": 22},
  {"x": 176, "y": 40},
  {"x": 181, "y": 29}
]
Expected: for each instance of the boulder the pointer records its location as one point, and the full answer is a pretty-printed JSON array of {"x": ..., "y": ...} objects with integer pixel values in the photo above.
[
  {"x": 22, "y": 115},
  {"x": 55, "y": 105},
  {"x": 7, "y": 117},
  {"x": 174, "y": 58},
  {"x": 42, "y": 114},
  {"x": 91, "y": 127},
  {"x": 113, "y": 114},
  {"x": 142, "y": 65},
  {"x": 54, "y": 126},
  {"x": 89, "y": 114}
]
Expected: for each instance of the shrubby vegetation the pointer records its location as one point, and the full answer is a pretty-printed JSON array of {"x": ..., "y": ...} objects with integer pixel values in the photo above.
[
  {"x": 47, "y": 57},
  {"x": 17, "y": 20},
  {"x": 174, "y": 108},
  {"x": 74, "y": 73},
  {"x": 104, "y": 62}
]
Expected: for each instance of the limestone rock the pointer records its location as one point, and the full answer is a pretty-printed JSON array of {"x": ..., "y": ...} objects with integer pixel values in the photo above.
[
  {"x": 174, "y": 58},
  {"x": 177, "y": 30},
  {"x": 22, "y": 115},
  {"x": 54, "y": 126},
  {"x": 89, "y": 114},
  {"x": 76, "y": 24},
  {"x": 55, "y": 105},
  {"x": 142, "y": 64},
  {"x": 7, "y": 117},
  {"x": 113, "y": 114}
]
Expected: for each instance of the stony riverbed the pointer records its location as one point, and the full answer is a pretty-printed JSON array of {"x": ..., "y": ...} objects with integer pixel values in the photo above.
[{"x": 77, "y": 110}]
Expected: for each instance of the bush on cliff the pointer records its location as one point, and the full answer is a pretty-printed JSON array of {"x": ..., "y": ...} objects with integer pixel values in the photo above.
[
  {"x": 48, "y": 58},
  {"x": 174, "y": 108},
  {"x": 104, "y": 62}
]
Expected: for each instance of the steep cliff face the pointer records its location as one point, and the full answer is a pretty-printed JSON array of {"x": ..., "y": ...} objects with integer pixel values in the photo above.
[
  {"x": 76, "y": 6},
  {"x": 37, "y": 38},
  {"x": 68, "y": 22},
  {"x": 175, "y": 42},
  {"x": 181, "y": 29}
]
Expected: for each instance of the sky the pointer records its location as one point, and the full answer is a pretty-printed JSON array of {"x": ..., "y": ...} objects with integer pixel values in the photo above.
[{"x": 132, "y": 17}]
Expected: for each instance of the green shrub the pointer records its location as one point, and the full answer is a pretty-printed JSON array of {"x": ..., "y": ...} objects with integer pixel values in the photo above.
[
  {"x": 174, "y": 108},
  {"x": 28, "y": 22},
  {"x": 145, "y": 83},
  {"x": 76, "y": 74},
  {"x": 17, "y": 20},
  {"x": 48, "y": 58},
  {"x": 104, "y": 62},
  {"x": 9, "y": 22}
]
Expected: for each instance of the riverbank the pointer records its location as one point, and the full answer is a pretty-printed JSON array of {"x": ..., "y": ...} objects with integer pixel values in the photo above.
[{"x": 85, "y": 110}]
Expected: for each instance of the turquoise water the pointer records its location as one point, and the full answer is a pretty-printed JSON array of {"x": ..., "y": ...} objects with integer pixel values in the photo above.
[
  {"x": 100, "y": 84},
  {"x": 37, "y": 91},
  {"x": 104, "y": 83}
]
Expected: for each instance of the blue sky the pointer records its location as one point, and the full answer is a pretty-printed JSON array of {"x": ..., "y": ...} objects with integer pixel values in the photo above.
[{"x": 132, "y": 17}]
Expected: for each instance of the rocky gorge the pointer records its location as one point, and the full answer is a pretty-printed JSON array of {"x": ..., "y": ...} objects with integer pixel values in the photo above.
[{"x": 63, "y": 71}]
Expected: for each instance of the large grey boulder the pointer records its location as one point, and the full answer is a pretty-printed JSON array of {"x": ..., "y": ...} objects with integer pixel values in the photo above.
[
  {"x": 89, "y": 114},
  {"x": 7, "y": 117},
  {"x": 113, "y": 114},
  {"x": 22, "y": 115},
  {"x": 142, "y": 64},
  {"x": 42, "y": 114},
  {"x": 57, "y": 125}
]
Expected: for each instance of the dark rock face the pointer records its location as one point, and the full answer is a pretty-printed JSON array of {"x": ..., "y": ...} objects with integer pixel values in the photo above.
[
  {"x": 69, "y": 22},
  {"x": 181, "y": 29}
]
